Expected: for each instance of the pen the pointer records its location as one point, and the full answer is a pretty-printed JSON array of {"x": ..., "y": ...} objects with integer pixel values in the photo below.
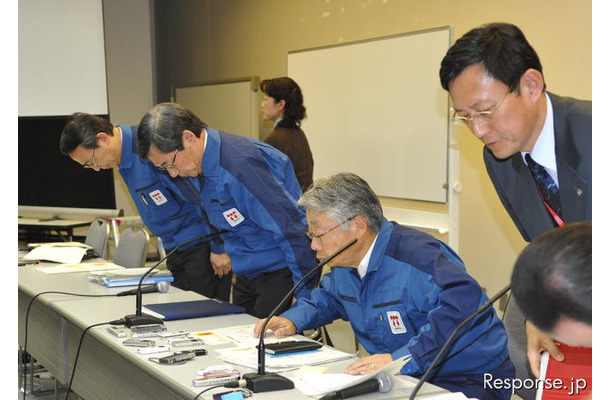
[
  {"x": 24, "y": 263},
  {"x": 144, "y": 199}
]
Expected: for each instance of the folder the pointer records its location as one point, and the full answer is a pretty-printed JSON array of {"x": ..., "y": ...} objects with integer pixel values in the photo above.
[
  {"x": 192, "y": 309},
  {"x": 568, "y": 379}
]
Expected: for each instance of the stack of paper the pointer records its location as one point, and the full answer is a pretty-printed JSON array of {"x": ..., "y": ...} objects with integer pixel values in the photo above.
[
  {"x": 130, "y": 277},
  {"x": 248, "y": 357},
  {"x": 82, "y": 267},
  {"x": 67, "y": 253}
]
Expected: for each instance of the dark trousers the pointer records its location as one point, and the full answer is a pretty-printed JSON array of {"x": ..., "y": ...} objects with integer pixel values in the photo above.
[
  {"x": 192, "y": 270},
  {"x": 260, "y": 295},
  {"x": 473, "y": 386}
]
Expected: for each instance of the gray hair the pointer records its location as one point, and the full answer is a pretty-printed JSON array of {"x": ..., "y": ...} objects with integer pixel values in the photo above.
[
  {"x": 163, "y": 125},
  {"x": 344, "y": 196}
]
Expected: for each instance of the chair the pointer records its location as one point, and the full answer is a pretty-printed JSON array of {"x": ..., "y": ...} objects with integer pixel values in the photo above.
[
  {"x": 514, "y": 322},
  {"x": 132, "y": 248},
  {"x": 98, "y": 235}
]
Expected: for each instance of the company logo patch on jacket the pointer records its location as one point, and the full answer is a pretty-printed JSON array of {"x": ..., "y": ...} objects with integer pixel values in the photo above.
[
  {"x": 395, "y": 321},
  {"x": 158, "y": 197},
  {"x": 233, "y": 217}
]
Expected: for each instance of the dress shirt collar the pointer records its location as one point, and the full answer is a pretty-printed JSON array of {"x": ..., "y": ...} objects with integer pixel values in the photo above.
[
  {"x": 364, "y": 263},
  {"x": 544, "y": 148}
]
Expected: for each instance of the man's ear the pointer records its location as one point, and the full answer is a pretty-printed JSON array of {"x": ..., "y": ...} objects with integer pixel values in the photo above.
[
  {"x": 360, "y": 225},
  {"x": 531, "y": 84},
  {"x": 103, "y": 139},
  {"x": 188, "y": 137}
]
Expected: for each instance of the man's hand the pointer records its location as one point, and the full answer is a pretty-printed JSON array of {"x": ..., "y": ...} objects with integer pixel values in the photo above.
[
  {"x": 279, "y": 325},
  {"x": 537, "y": 341},
  {"x": 366, "y": 365},
  {"x": 221, "y": 263}
]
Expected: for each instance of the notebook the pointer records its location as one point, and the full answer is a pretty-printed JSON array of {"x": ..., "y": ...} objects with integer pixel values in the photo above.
[{"x": 192, "y": 309}]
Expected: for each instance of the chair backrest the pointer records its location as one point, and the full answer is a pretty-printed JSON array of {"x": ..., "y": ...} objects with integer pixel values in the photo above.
[
  {"x": 514, "y": 322},
  {"x": 97, "y": 237},
  {"x": 132, "y": 248}
]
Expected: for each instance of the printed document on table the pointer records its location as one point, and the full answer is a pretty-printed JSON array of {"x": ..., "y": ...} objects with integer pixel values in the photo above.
[
  {"x": 83, "y": 267},
  {"x": 315, "y": 383},
  {"x": 60, "y": 254},
  {"x": 248, "y": 357},
  {"x": 243, "y": 335}
]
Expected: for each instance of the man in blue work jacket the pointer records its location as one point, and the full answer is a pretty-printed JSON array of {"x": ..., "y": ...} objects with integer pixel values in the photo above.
[
  {"x": 95, "y": 143},
  {"x": 402, "y": 291},
  {"x": 245, "y": 187}
]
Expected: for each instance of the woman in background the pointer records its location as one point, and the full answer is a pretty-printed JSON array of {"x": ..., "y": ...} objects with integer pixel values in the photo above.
[{"x": 283, "y": 104}]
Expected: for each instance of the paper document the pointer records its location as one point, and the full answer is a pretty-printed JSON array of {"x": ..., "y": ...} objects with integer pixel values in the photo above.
[
  {"x": 315, "y": 384},
  {"x": 248, "y": 357},
  {"x": 60, "y": 254},
  {"x": 243, "y": 335},
  {"x": 61, "y": 244},
  {"x": 82, "y": 267}
]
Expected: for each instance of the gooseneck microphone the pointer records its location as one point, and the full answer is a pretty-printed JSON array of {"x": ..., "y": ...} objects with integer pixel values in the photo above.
[
  {"x": 451, "y": 338},
  {"x": 262, "y": 382},
  {"x": 144, "y": 319},
  {"x": 381, "y": 383},
  {"x": 161, "y": 287}
]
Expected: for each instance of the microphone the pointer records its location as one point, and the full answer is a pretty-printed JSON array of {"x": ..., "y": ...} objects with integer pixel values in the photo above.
[
  {"x": 451, "y": 338},
  {"x": 144, "y": 319},
  {"x": 382, "y": 383},
  {"x": 261, "y": 382},
  {"x": 161, "y": 287}
]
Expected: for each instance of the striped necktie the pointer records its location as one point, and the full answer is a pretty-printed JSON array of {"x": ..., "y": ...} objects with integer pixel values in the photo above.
[{"x": 546, "y": 184}]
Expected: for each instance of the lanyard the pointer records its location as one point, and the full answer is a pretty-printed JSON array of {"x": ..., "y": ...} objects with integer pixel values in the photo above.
[{"x": 556, "y": 217}]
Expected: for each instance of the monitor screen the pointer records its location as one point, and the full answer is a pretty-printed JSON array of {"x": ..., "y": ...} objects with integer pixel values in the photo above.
[{"x": 48, "y": 178}]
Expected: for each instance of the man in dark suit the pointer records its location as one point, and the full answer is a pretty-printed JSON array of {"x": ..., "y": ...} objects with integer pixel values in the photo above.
[{"x": 537, "y": 145}]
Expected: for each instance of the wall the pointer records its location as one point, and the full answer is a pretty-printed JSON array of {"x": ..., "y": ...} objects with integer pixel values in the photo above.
[
  {"x": 129, "y": 65},
  {"x": 212, "y": 39}
]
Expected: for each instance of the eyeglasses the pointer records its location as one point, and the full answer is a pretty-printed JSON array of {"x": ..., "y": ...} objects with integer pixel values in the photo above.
[
  {"x": 90, "y": 164},
  {"x": 485, "y": 116},
  {"x": 313, "y": 236},
  {"x": 170, "y": 165}
]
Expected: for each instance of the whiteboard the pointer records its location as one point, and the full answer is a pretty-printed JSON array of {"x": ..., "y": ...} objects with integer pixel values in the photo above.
[
  {"x": 62, "y": 61},
  {"x": 376, "y": 108},
  {"x": 230, "y": 106}
]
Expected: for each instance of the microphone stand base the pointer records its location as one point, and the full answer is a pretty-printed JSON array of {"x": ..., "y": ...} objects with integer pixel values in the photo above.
[
  {"x": 144, "y": 319},
  {"x": 269, "y": 382}
]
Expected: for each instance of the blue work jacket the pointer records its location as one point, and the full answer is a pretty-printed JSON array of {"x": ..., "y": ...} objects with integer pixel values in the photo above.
[
  {"x": 249, "y": 189},
  {"x": 162, "y": 210},
  {"x": 415, "y": 292}
]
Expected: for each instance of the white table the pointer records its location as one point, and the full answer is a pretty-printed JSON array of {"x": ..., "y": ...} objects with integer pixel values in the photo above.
[{"x": 106, "y": 369}]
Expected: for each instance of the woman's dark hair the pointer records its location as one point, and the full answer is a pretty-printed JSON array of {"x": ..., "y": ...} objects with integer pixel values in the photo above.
[{"x": 288, "y": 90}]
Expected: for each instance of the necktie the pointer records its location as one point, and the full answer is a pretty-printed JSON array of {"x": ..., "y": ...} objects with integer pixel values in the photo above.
[{"x": 546, "y": 184}]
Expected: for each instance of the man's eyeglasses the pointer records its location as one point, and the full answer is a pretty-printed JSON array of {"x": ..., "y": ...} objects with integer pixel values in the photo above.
[
  {"x": 484, "y": 116},
  {"x": 90, "y": 164},
  {"x": 170, "y": 165},
  {"x": 313, "y": 236}
]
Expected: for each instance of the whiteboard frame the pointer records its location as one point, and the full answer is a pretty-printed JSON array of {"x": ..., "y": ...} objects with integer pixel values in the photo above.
[
  {"x": 254, "y": 111},
  {"x": 436, "y": 222},
  {"x": 368, "y": 69}
]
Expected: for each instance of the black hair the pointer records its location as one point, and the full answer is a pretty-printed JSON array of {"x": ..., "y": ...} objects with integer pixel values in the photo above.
[
  {"x": 501, "y": 49},
  {"x": 286, "y": 89},
  {"x": 81, "y": 130},
  {"x": 552, "y": 276}
]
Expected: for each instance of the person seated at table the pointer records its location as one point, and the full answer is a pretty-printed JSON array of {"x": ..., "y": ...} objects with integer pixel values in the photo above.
[
  {"x": 552, "y": 283},
  {"x": 402, "y": 290}
]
